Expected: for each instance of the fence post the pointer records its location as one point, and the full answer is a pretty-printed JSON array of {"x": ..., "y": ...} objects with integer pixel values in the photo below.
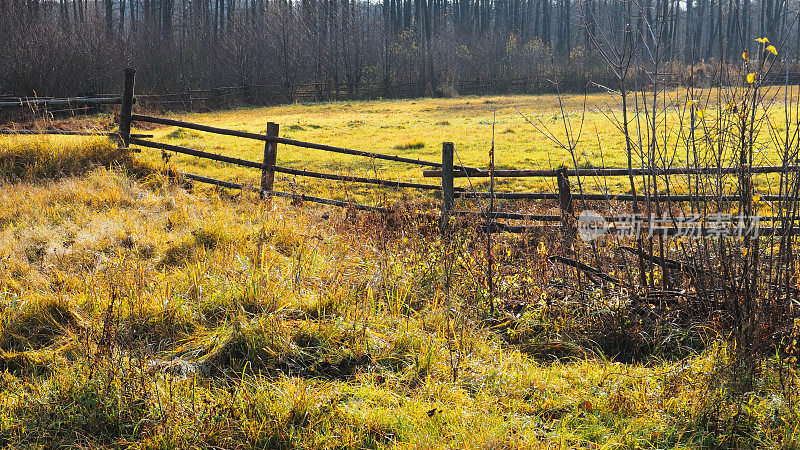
[
  {"x": 127, "y": 107},
  {"x": 270, "y": 159},
  {"x": 565, "y": 202},
  {"x": 447, "y": 181},
  {"x": 215, "y": 98}
]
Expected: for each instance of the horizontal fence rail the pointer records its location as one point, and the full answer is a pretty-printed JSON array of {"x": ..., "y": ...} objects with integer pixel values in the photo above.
[
  {"x": 616, "y": 197},
  {"x": 669, "y": 231},
  {"x": 286, "y": 141},
  {"x": 46, "y": 102},
  {"x": 611, "y": 172},
  {"x": 278, "y": 169},
  {"x": 69, "y": 133},
  {"x": 510, "y": 215},
  {"x": 198, "y": 153},
  {"x": 611, "y": 220},
  {"x": 348, "y": 151},
  {"x": 354, "y": 179},
  {"x": 303, "y": 197},
  {"x": 194, "y": 126}
]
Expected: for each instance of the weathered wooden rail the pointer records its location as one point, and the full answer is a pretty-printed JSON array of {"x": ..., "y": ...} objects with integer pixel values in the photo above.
[
  {"x": 281, "y": 93},
  {"x": 566, "y": 197},
  {"x": 67, "y": 133},
  {"x": 50, "y": 102},
  {"x": 301, "y": 197},
  {"x": 611, "y": 172}
]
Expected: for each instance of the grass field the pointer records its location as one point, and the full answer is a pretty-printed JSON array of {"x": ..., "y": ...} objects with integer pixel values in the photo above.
[
  {"x": 417, "y": 128},
  {"x": 405, "y": 128},
  {"x": 138, "y": 314}
]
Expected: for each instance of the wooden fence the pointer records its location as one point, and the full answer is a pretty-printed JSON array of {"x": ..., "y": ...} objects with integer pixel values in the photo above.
[
  {"x": 566, "y": 196},
  {"x": 67, "y": 104},
  {"x": 284, "y": 93},
  {"x": 268, "y": 166},
  {"x": 445, "y": 170},
  {"x": 276, "y": 94}
]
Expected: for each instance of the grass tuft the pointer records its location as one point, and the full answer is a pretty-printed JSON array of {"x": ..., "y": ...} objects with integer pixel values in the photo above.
[
  {"x": 182, "y": 133},
  {"x": 28, "y": 363},
  {"x": 414, "y": 145},
  {"x": 39, "y": 324},
  {"x": 30, "y": 159}
]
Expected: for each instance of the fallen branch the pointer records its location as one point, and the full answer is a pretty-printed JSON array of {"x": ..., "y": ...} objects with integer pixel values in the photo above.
[{"x": 588, "y": 270}]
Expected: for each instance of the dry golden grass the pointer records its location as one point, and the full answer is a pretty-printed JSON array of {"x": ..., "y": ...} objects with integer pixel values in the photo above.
[{"x": 138, "y": 314}]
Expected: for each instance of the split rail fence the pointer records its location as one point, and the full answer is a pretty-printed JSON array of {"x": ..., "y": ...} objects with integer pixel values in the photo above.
[
  {"x": 566, "y": 197},
  {"x": 275, "y": 94},
  {"x": 283, "y": 93},
  {"x": 268, "y": 166},
  {"x": 67, "y": 104},
  {"x": 445, "y": 170}
]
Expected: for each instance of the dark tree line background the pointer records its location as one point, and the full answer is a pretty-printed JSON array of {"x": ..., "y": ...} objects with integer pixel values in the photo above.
[{"x": 78, "y": 47}]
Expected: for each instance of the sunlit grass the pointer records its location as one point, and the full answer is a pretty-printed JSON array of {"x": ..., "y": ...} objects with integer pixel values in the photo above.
[
  {"x": 136, "y": 313},
  {"x": 406, "y": 128},
  {"x": 417, "y": 128}
]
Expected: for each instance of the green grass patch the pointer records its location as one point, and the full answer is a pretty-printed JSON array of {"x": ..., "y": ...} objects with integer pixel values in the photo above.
[{"x": 410, "y": 146}]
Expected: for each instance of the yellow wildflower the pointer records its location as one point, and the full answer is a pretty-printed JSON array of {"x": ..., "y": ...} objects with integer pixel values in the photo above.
[
  {"x": 772, "y": 50},
  {"x": 751, "y": 77}
]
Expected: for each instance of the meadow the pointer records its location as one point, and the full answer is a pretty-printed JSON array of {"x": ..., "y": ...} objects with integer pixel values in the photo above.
[
  {"x": 141, "y": 312},
  {"x": 414, "y": 128},
  {"x": 527, "y": 132}
]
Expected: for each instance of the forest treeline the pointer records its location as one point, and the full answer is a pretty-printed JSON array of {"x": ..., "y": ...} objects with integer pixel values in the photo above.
[{"x": 78, "y": 47}]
